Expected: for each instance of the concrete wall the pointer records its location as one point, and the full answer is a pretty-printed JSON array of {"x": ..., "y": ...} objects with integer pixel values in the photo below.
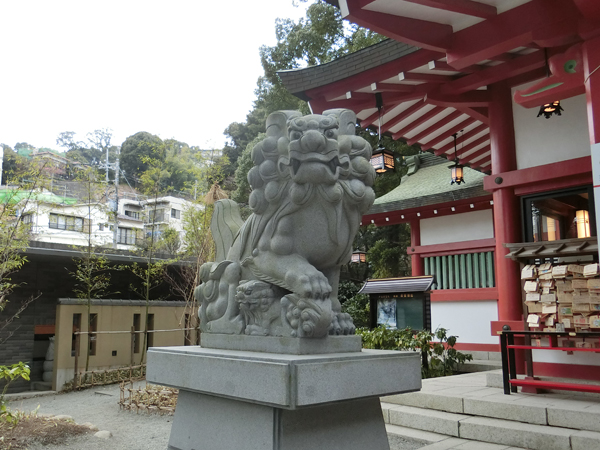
[
  {"x": 469, "y": 226},
  {"x": 47, "y": 278},
  {"x": 113, "y": 317},
  {"x": 541, "y": 141},
  {"x": 470, "y": 321}
]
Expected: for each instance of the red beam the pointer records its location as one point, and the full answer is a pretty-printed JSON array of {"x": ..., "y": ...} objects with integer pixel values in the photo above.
[
  {"x": 475, "y": 155},
  {"x": 464, "y": 295},
  {"x": 467, "y": 7},
  {"x": 468, "y": 135},
  {"x": 455, "y": 129},
  {"x": 474, "y": 347},
  {"x": 392, "y": 87},
  {"x": 352, "y": 95},
  {"x": 418, "y": 122},
  {"x": 532, "y": 175},
  {"x": 403, "y": 115},
  {"x": 473, "y": 99},
  {"x": 320, "y": 105},
  {"x": 553, "y": 185},
  {"x": 590, "y": 9},
  {"x": 443, "y": 65},
  {"x": 433, "y": 128},
  {"x": 428, "y": 211},
  {"x": 471, "y": 145},
  {"x": 425, "y": 77},
  {"x": 480, "y": 114},
  {"x": 420, "y": 33},
  {"x": 493, "y": 74},
  {"x": 511, "y": 29}
]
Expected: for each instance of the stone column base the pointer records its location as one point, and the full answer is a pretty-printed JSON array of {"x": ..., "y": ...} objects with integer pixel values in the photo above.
[
  {"x": 252, "y": 400},
  {"x": 205, "y": 422}
]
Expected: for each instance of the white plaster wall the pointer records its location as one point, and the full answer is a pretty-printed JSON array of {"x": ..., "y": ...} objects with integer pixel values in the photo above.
[
  {"x": 560, "y": 357},
  {"x": 469, "y": 226},
  {"x": 470, "y": 321},
  {"x": 542, "y": 141}
]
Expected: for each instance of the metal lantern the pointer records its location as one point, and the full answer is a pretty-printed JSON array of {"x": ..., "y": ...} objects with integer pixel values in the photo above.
[
  {"x": 457, "y": 173},
  {"x": 456, "y": 169},
  {"x": 550, "y": 108},
  {"x": 382, "y": 160},
  {"x": 358, "y": 257}
]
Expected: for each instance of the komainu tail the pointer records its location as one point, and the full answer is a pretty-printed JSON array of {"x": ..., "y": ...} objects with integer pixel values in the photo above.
[{"x": 224, "y": 226}]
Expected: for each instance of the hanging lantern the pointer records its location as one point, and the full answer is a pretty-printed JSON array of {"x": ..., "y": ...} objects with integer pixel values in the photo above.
[
  {"x": 583, "y": 223},
  {"x": 457, "y": 173},
  {"x": 456, "y": 169},
  {"x": 550, "y": 108},
  {"x": 382, "y": 160},
  {"x": 358, "y": 257}
]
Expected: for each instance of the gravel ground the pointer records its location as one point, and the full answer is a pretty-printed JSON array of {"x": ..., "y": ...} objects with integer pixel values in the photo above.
[{"x": 130, "y": 431}]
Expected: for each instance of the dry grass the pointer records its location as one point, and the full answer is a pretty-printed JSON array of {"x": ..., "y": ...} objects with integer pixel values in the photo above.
[
  {"x": 33, "y": 429},
  {"x": 151, "y": 399}
]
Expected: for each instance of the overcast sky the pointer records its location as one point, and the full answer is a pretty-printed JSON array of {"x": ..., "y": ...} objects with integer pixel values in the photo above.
[{"x": 182, "y": 69}]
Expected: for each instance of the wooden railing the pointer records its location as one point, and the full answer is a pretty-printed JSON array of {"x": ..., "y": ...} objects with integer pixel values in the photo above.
[{"x": 509, "y": 369}]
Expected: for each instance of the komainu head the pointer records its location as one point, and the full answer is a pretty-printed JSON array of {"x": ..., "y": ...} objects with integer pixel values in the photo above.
[{"x": 310, "y": 151}]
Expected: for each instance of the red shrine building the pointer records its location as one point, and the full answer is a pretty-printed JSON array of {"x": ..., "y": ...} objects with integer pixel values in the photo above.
[{"x": 465, "y": 80}]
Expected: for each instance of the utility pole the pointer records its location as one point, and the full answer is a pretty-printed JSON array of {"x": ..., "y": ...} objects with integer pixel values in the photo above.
[{"x": 117, "y": 171}]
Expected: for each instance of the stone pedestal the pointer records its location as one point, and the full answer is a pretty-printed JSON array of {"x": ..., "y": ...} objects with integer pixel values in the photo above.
[{"x": 232, "y": 399}]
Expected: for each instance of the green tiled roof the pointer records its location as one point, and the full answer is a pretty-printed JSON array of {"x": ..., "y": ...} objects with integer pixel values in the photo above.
[{"x": 430, "y": 185}]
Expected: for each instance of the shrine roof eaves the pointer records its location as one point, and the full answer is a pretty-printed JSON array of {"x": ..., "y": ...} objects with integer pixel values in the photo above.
[{"x": 298, "y": 81}]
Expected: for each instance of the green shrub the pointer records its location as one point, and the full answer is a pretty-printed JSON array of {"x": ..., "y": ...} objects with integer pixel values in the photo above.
[
  {"x": 357, "y": 305},
  {"x": 8, "y": 374},
  {"x": 439, "y": 358}
]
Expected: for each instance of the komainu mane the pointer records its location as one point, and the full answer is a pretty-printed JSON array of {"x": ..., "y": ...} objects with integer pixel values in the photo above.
[{"x": 277, "y": 274}]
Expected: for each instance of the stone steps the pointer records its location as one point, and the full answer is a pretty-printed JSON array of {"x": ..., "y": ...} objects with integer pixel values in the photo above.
[
  {"x": 480, "y": 365},
  {"x": 439, "y": 441},
  {"x": 580, "y": 414},
  {"x": 502, "y": 432}
]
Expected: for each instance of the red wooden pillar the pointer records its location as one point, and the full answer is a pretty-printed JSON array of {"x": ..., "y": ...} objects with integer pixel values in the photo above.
[
  {"x": 416, "y": 262},
  {"x": 591, "y": 62},
  {"x": 507, "y": 214}
]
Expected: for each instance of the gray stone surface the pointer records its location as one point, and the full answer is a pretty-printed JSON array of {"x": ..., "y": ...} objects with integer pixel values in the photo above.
[
  {"x": 505, "y": 410},
  {"x": 285, "y": 381},
  {"x": 585, "y": 440},
  {"x": 480, "y": 365},
  {"x": 282, "y": 344},
  {"x": 574, "y": 417},
  {"x": 426, "y": 419},
  {"x": 311, "y": 184},
  {"x": 205, "y": 421},
  {"x": 422, "y": 399},
  {"x": 104, "y": 434},
  {"x": 516, "y": 434}
]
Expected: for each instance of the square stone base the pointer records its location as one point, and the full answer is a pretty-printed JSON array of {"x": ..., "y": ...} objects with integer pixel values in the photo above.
[
  {"x": 215, "y": 423},
  {"x": 239, "y": 399}
]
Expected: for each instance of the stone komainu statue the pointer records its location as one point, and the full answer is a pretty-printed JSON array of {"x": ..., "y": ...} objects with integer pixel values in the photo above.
[{"x": 277, "y": 274}]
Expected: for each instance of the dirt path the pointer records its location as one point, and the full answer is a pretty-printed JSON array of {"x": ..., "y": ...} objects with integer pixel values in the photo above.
[
  {"x": 100, "y": 407},
  {"x": 130, "y": 431}
]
